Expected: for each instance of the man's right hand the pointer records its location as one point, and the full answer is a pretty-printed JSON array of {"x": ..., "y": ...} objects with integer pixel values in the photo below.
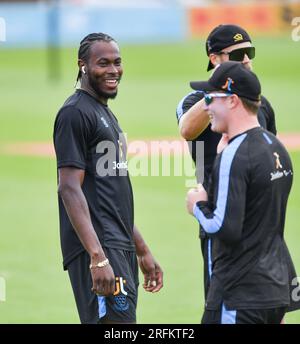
[
  {"x": 103, "y": 280},
  {"x": 194, "y": 121}
]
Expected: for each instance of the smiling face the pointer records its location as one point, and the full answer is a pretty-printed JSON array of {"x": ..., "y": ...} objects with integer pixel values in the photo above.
[
  {"x": 217, "y": 111},
  {"x": 103, "y": 70}
]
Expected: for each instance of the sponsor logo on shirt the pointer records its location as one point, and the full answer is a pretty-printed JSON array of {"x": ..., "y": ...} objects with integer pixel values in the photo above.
[
  {"x": 279, "y": 174},
  {"x": 122, "y": 164},
  {"x": 113, "y": 157}
]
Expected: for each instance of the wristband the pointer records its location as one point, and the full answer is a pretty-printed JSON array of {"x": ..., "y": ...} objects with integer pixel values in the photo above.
[{"x": 100, "y": 264}]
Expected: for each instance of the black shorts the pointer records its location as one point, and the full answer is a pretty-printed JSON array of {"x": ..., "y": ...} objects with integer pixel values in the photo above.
[
  {"x": 120, "y": 307},
  {"x": 244, "y": 316}
]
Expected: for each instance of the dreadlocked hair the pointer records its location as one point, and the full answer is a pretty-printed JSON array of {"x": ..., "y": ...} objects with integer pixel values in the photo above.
[{"x": 86, "y": 43}]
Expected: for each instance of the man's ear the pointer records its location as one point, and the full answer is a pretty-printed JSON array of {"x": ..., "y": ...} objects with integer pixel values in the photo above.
[
  {"x": 80, "y": 64},
  {"x": 214, "y": 59},
  {"x": 233, "y": 101}
]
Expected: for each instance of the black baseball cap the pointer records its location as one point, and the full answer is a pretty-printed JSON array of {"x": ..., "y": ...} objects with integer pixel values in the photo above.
[
  {"x": 224, "y": 36},
  {"x": 232, "y": 77}
]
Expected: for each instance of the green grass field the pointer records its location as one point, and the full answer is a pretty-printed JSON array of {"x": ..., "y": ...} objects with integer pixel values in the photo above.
[{"x": 155, "y": 79}]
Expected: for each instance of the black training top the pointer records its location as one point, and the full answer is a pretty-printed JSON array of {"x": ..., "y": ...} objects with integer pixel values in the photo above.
[
  {"x": 245, "y": 214},
  {"x": 87, "y": 136},
  {"x": 211, "y": 139}
]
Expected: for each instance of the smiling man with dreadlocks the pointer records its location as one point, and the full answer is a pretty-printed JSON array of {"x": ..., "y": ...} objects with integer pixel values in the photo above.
[{"x": 100, "y": 244}]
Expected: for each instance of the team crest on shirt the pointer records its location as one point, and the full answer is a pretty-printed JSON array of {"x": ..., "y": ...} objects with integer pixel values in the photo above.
[
  {"x": 279, "y": 174},
  {"x": 120, "y": 295}
]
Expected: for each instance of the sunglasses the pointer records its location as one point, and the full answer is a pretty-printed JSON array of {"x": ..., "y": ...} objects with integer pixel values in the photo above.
[
  {"x": 239, "y": 54},
  {"x": 209, "y": 97}
]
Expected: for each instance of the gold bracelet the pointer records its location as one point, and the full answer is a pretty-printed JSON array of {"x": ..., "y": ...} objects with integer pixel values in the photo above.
[{"x": 100, "y": 264}]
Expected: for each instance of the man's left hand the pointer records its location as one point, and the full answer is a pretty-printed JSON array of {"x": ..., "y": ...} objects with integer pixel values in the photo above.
[
  {"x": 153, "y": 274},
  {"x": 195, "y": 195}
]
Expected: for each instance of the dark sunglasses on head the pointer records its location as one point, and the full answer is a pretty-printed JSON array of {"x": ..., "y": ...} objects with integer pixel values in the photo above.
[{"x": 239, "y": 54}]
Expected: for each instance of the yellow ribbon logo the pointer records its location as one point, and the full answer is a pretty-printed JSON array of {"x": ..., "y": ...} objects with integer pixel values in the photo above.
[
  {"x": 238, "y": 37},
  {"x": 277, "y": 162}
]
